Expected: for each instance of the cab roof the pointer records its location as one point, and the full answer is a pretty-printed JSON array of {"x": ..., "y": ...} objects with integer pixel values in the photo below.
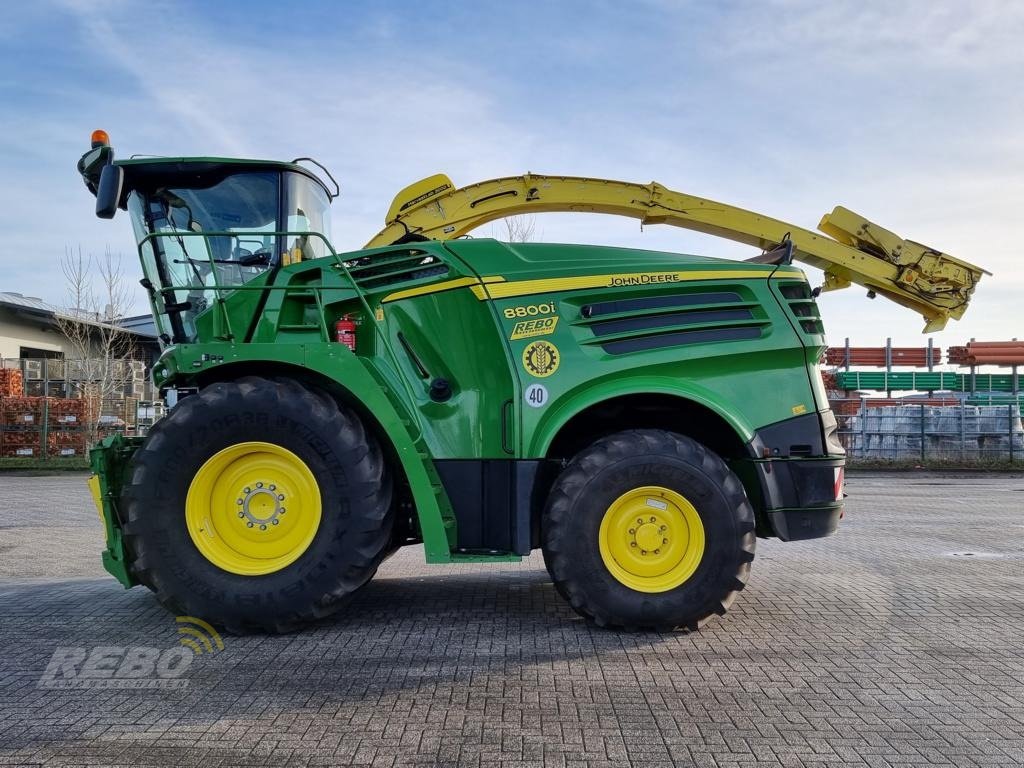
[{"x": 186, "y": 171}]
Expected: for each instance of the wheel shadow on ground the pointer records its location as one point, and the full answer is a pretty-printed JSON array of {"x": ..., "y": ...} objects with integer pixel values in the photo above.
[
  {"x": 95, "y": 609},
  {"x": 520, "y": 595},
  {"x": 401, "y": 622},
  {"x": 84, "y": 609}
]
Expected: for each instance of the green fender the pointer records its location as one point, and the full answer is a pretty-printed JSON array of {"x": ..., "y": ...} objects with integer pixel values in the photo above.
[
  {"x": 364, "y": 384},
  {"x": 578, "y": 400}
]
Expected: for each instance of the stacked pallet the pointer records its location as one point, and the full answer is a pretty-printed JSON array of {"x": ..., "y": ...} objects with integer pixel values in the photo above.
[
  {"x": 123, "y": 410},
  {"x": 20, "y": 426},
  {"x": 65, "y": 413},
  {"x": 21, "y": 411},
  {"x": 38, "y": 420},
  {"x": 11, "y": 383},
  {"x": 66, "y": 442},
  {"x": 988, "y": 353},
  {"x": 58, "y": 378},
  {"x": 24, "y": 421},
  {"x": 66, "y": 420},
  {"x": 20, "y": 443}
]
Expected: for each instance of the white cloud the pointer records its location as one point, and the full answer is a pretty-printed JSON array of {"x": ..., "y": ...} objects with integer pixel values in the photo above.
[{"x": 959, "y": 35}]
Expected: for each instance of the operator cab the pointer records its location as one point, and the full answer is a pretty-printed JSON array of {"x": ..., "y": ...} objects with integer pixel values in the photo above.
[{"x": 206, "y": 227}]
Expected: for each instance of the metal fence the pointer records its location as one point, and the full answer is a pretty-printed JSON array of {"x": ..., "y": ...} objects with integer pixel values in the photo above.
[{"x": 930, "y": 432}]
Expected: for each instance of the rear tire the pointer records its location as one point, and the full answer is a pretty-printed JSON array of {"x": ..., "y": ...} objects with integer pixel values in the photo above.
[
  {"x": 648, "y": 529},
  {"x": 232, "y": 555}
]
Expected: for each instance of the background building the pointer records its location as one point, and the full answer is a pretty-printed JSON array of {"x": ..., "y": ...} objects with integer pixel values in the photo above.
[
  {"x": 62, "y": 383},
  {"x": 29, "y": 328}
]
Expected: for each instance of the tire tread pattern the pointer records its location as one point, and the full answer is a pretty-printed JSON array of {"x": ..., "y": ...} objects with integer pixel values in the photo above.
[
  {"x": 558, "y": 524},
  {"x": 370, "y": 485}
]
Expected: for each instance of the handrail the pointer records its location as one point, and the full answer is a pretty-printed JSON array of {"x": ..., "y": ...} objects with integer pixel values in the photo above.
[{"x": 338, "y": 261}]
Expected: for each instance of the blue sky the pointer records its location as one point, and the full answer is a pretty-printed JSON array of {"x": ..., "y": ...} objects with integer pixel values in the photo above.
[{"x": 909, "y": 113}]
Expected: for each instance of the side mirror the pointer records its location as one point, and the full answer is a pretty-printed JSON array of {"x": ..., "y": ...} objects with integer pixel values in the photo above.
[{"x": 108, "y": 191}]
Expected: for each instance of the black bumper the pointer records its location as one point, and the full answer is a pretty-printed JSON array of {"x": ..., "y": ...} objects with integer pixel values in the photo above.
[{"x": 801, "y": 495}]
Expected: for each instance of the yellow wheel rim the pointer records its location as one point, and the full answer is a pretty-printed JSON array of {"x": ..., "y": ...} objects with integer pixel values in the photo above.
[
  {"x": 253, "y": 508},
  {"x": 651, "y": 539}
]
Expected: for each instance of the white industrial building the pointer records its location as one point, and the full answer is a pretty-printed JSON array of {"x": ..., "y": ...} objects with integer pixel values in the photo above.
[{"x": 29, "y": 329}]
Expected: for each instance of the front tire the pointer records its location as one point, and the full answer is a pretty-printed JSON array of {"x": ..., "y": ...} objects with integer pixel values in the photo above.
[
  {"x": 648, "y": 529},
  {"x": 257, "y": 504}
]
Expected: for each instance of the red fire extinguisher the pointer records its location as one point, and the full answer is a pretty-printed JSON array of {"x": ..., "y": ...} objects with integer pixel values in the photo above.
[{"x": 345, "y": 332}]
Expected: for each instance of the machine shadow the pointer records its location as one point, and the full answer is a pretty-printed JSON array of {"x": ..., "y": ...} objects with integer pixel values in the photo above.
[
  {"x": 399, "y": 634},
  {"x": 519, "y": 607}
]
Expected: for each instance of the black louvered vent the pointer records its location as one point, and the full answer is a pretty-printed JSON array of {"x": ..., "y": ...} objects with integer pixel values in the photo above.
[
  {"x": 655, "y": 322},
  {"x": 395, "y": 268},
  {"x": 802, "y": 305}
]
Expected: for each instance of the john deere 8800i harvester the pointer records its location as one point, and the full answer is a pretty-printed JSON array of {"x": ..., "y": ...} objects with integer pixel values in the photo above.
[{"x": 640, "y": 417}]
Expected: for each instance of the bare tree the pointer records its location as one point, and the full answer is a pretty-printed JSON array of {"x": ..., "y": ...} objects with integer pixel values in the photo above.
[
  {"x": 520, "y": 228},
  {"x": 98, "y": 348}
]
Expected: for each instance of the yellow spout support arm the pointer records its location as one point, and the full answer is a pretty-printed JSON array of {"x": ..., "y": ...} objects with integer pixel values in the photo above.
[{"x": 852, "y": 250}]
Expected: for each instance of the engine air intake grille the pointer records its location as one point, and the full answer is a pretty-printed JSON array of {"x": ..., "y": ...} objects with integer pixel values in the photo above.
[
  {"x": 801, "y": 303},
  {"x": 654, "y": 322},
  {"x": 395, "y": 268}
]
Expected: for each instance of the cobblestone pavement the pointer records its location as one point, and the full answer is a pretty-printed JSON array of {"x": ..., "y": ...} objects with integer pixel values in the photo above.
[{"x": 898, "y": 642}]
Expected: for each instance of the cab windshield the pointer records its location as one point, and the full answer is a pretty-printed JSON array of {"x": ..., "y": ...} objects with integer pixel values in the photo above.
[{"x": 200, "y": 238}]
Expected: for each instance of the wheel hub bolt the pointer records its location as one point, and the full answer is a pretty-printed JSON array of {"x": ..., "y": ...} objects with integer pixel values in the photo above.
[
  {"x": 632, "y": 530},
  {"x": 657, "y": 551},
  {"x": 653, "y": 519},
  {"x": 643, "y": 551},
  {"x": 632, "y": 544},
  {"x": 261, "y": 513}
]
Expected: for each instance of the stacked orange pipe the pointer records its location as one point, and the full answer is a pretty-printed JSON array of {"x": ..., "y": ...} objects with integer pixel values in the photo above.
[{"x": 988, "y": 353}]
